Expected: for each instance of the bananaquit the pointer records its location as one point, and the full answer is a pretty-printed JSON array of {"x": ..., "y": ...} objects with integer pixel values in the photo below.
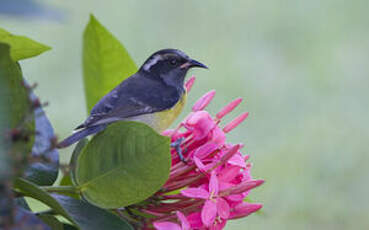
[{"x": 155, "y": 95}]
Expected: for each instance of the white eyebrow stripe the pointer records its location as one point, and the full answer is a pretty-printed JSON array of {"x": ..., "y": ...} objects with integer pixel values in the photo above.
[{"x": 152, "y": 62}]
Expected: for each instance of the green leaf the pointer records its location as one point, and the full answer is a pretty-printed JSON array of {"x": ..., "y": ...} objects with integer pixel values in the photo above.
[
  {"x": 14, "y": 109},
  {"x": 5, "y": 114},
  {"x": 67, "y": 181},
  {"x": 51, "y": 221},
  {"x": 73, "y": 160},
  {"x": 80, "y": 213},
  {"x": 123, "y": 165},
  {"x": 45, "y": 170},
  {"x": 21, "y": 47},
  {"x": 69, "y": 227},
  {"x": 105, "y": 62},
  {"x": 24, "y": 119}
]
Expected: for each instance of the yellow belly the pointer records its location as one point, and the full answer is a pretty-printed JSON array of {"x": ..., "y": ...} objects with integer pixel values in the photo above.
[
  {"x": 160, "y": 121},
  {"x": 167, "y": 117}
]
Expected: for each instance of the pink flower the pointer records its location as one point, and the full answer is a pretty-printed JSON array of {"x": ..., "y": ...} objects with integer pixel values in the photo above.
[
  {"x": 214, "y": 205},
  {"x": 185, "y": 225},
  {"x": 209, "y": 188}
]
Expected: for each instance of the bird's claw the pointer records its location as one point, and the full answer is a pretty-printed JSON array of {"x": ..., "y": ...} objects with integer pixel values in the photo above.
[{"x": 177, "y": 146}]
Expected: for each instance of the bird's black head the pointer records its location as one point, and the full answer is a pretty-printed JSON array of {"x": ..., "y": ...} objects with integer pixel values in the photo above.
[{"x": 170, "y": 66}]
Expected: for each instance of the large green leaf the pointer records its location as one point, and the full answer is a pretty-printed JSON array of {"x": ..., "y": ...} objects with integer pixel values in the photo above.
[
  {"x": 5, "y": 114},
  {"x": 45, "y": 170},
  {"x": 68, "y": 178},
  {"x": 105, "y": 62},
  {"x": 14, "y": 93},
  {"x": 14, "y": 110},
  {"x": 21, "y": 47},
  {"x": 13, "y": 144},
  {"x": 124, "y": 164},
  {"x": 73, "y": 160},
  {"x": 81, "y": 213},
  {"x": 51, "y": 221}
]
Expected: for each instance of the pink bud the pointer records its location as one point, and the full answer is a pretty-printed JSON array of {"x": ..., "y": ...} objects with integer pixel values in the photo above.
[
  {"x": 228, "y": 108},
  {"x": 195, "y": 193},
  {"x": 203, "y": 101},
  {"x": 189, "y": 83},
  {"x": 235, "y": 122},
  {"x": 244, "y": 209},
  {"x": 242, "y": 187},
  {"x": 233, "y": 150},
  {"x": 206, "y": 149}
]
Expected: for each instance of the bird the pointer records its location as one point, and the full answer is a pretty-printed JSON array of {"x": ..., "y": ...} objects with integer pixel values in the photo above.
[{"x": 154, "y": 95}]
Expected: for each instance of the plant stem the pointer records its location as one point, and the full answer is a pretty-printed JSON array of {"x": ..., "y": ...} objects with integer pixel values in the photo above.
[{"x": 61, "y": 189}]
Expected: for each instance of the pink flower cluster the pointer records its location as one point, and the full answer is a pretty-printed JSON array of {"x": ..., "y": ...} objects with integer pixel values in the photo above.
[{"x": 210, "y": 187}]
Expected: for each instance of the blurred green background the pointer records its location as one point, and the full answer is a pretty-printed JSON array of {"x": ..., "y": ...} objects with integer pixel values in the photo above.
[{"x": 301, "y": 66}]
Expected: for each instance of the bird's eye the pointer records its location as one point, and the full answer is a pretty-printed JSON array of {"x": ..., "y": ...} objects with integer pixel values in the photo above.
[{"x": 173, "y": 62}]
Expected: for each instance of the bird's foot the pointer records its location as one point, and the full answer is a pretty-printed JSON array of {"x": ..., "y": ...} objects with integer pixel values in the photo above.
[{"x": 177, "y": 146}]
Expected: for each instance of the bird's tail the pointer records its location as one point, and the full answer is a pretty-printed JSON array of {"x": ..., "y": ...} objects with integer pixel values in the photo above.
[{"x": 79, "y": 135}]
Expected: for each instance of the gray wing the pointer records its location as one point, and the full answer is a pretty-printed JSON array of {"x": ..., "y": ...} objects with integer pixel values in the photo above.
[{"x": 135, "y": 96}]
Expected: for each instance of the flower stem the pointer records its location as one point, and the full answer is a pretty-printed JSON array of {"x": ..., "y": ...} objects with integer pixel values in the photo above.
[{"x": 61, "y": 189}]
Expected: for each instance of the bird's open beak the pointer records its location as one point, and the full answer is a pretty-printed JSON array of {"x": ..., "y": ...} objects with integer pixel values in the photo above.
[{"x": 193, "y": 63}]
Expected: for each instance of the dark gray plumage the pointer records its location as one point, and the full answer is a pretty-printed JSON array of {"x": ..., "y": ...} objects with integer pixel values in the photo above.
[{"x": 157, "y": 86}]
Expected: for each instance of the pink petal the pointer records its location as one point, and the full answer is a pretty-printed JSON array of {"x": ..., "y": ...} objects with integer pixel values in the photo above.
[
  {"x": 195, "y": 193},
  {"x": 237, "y": 160},
  {"x": 208, "y": 213},
  {"x": 199, "y": 164},
  {"x": 203, "y": 101},
  {"x": 228, "y": 154},
  {"x": 218, "y": 136},
  {"x": 195, "y": 220},
  {"x": 244, "y": 209},
  {"x": 229, "y": 173},
  {"x": 213, "y": 184},
  {"x": 234, "y": 123},
  {"x": 204, "y": 150},
  {"x": 228, "y": 108},
  {"x": 200, "y": 123},
  {"x": 166, "y": 226},
  {"x": 184, "y": 222},
  {"x": 224, "y": 185},
  {"x": 189, "y": 83},
  {"x": 223, "y": 208}
]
